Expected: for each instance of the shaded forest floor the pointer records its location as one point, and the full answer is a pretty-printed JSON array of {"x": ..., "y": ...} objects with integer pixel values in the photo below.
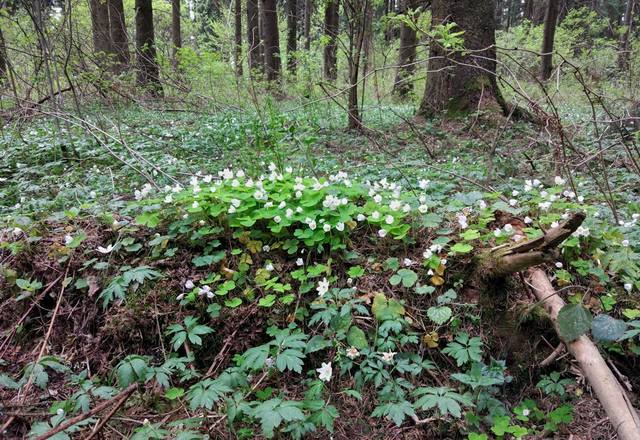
[{"x": 101, "y": 267}]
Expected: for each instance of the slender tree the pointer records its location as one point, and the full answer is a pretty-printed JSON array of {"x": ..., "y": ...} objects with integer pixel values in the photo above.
[
  {"x": 308, "y": 12},
  {"x": 100, "y": 28},
  {"x": 367, "y": 43},
  {"x": 271, "y": 40},
  {"x": 355, "y": 12},
  {"x": 461, "y": 82},
  {"x": 331, "y": 28},
  {"x": 237, "y": 52},
  {"x": 148, "y": 75},
  {"x": 118, "y": 32},
  {"x": 292, "y": 35},
  {"x": 550, "y": 22},
  {"x": 3, "y": 59},
  {"x": 624, "y": 48},
  {"x": 406, "y": 54},
  {"x": 254, "y": 47},
  {"x": 176, "y": 35}
]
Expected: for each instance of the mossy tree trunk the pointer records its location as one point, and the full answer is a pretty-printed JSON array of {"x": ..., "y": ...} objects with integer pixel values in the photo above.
[{"x": 458, "y": 83}]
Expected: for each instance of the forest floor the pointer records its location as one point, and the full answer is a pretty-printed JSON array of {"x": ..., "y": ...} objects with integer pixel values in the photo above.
[{"x": 185, "y": 259}]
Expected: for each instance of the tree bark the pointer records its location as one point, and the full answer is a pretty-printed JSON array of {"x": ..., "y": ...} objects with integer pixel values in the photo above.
[
  {"x": 237, "y": 53},
  {"x": 406, "y": 56},
  {"x": 458, "y": 83},
  {"x": 331, "y": 29},
  {"x": 3, "y": 60},
  {"x": 271, "y": 40},
  {"x": 308, "y": 11},
  {"x": 100, "y": 30},
  {"x": 118, "y": 31},
  {"x": 148, "y": 76},
  {"x": 624, "y": 49},
  {"x": 355, "y": 11},
  {"x": 176, "y": 35},
  {"x": 550, "y": 22},
  {"x": 253, "y": 37},
  {"x": 367, "y": 42},
  {"x": 292, "y": 35}
]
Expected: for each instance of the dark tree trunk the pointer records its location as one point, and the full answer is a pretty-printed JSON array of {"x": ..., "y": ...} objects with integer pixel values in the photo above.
[
  {"x": 459, "y": 83},
  {"x": 253, "y": 37},
  {"x": 528, "y": 9},
  {"x": 3, "y": 59},
  {"x": 292, "y": 35},
  {"x": 100, "y": 29},
  {"x": 624, "y": 50},
  {"x": 308, "y": 11},
  {"x": 237, "y": 53},
  {"x": 367, "y": 42},
  {"x": 148, "y": 72},
  {"x": 271, "y": 40},
  {"x": 550, "y": 22},
  {"x": 406, "y": 56},
  {"x": 118, "y": 30},
  {"x": 331, "y": 28},
  {"x": 176, "y": 35}
]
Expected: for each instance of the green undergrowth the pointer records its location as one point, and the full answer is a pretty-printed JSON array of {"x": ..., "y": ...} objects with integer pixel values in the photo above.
[{"x": 351, "y": 292}]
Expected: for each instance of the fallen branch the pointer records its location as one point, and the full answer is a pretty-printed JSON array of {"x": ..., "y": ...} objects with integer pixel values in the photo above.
[
  {"x": 119, "y": 400},
  {"x": 610, "y": 393}
]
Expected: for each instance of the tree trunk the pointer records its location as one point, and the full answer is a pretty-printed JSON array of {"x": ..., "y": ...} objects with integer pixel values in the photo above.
[
  {"x": 237, "y": 53},
  {"x": 292, "y": 35},
  {"x": 308, "y": 11},
  {"x": 406, "y": 56},
  {"x": 331, "y": 29},
  {"x": 3, "y": 60},
  {"x": 148, "y": 76},
  {"x": 100, "y": 30},
  {"x": 624, "y": 50},
  {"x": 459, "y": 83},
  {"x": 355, "y": 11},
  {"x": 367, "y": 42},
  {"x": 118, "y": 31},
  {"x": 550, "y": 21},
  {"x": 271, "y": 40},
  {"x": 253, "y": 37},
  {"x": 176, "y": 35}
]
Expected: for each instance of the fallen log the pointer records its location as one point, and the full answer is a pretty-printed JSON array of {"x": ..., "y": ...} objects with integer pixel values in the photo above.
[{"x": 614, "y": 399}]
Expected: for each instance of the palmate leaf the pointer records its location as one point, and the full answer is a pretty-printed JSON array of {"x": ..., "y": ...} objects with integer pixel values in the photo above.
[
  {"x": 444, "y": 399},
  {"x": 204, "y": 394},
  {"x": 255, "y": 357},
  {"x": 396, "y": 411},
  {"x": 131, "y": 369},
  {"x": 273, "y": 412},
  {"x": 290, "y": 359},
  {"x": 464, "y": 349}
]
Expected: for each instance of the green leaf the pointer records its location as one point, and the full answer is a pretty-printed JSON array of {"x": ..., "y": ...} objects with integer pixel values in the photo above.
[
  {"x": 439, "y": 315},
  {"x": 233, "y": 303},
  {"x": 174, "y": 393},
  {"x": 573, "y": 321},
  {"x": 267, "y": 301},
  {"x": 149, "y": 219},
  {"x": 357, "y": 338},
  {"x": 461, "y": 248},
  {"x": 386, "y": 309},
  {"x": 607, "y": 329}
]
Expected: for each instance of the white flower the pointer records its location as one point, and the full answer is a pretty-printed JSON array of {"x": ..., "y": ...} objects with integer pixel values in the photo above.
[
  {"x": 423, "y": 209},
  {"x": 513, "y": 202},
  {"x": 554, "y": 225},
  {"x": 628, "y": 287},
  {"x": 266, "y": 248},
  {"x": 508, "y": 227},
  {"x": 375, "y": 215},
  {"x": 168, "y": 198},
  {"x": 104, "y": 250},
  {"x": 497, "y": 232},
  {"x": 204, "y": 290},
  {"x": 558, "y": 264},
  {"x": 361, "y": 217},
  {"x": 352, "y": 353},
  {"x": 427, "y": 254},
  {"x": 312, "y": 225},
  {"x": 340, "y": 226},
  {"x": 528, "y": 220},
  {"x": 277, "y": 219},
  {"x": 231, "y": 209},
  {"x": 289, "y": 213},
  {"x": 388, "y": 219},
  {"x": 580, "y": 199},
  {"x": 581, "y": 232},
  {"x": 235, "y": 202},
  {"x": 382, "y": 233},
  {"x": 515, "y": 192},
  {"x": 395, "y": 205},
  {"x": 323, "y": 287},
  {"x": 388, "y": 356},
  {"x": 423, "y": 184},
  {"x": 377, "y": 198},
  {"x": 92, "y": 194},
  {"x": 180, "y": 297},
  {"x": 558, "y": 180},
  {"x": 325, "y": 372},
  {"x": 195, "y": 204},
  {"x": 269, "y": 362},
  {"x": 326, "y": 227},
  {"x": 189, "y": 285},
  {"x": 407, "y": 262},
  {"x": 482, "y": 204},
  {"x": 68, "y": 239},
  {"x": 526, "y": 412},
  {"x": 625, "y": 243},
  {"x": 462, "y": 221},
  {"x": 299, "y": 262},
  {"x": 517, "y": 237},
  {"x": 60, "y": 411},
  {"x": 269, "y": 267},
  {"x": 282, "y": 204},
  {"x": 544, "y": 205}
]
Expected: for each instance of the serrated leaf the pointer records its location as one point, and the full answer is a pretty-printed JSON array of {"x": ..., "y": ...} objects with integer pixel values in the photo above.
[
  {"x": 439, "y": 315},
  {"x": 573, "y": 321},
  {"x": 607, "y": 329}
]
